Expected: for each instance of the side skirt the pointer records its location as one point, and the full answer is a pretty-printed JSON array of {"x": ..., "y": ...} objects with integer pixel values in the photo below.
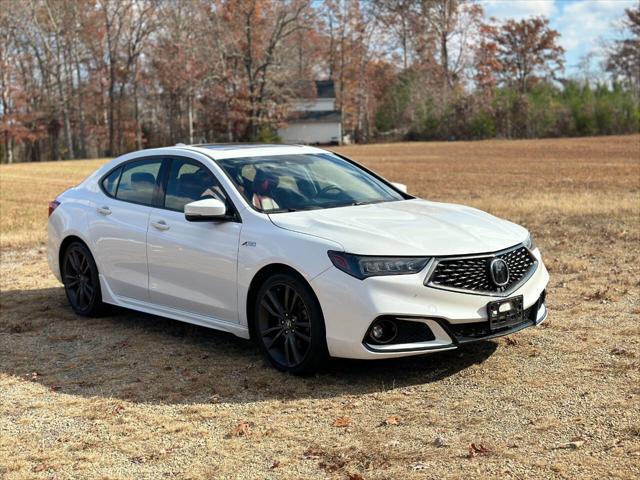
[{"x": 196, "y": 319}]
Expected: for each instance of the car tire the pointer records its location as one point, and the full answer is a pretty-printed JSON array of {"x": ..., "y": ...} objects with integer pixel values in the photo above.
[
  {"x": 81, "y": 281},
  {"x": 289, "y": 326}
]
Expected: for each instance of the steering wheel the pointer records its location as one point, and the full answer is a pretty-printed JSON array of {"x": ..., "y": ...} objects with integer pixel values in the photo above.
[{"x": 329, "y": 188}]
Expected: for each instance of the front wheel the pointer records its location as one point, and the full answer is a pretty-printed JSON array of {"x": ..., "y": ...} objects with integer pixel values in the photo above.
[
  {"x": 289, "y": 325},
  {"x": 81, "y": 282}
]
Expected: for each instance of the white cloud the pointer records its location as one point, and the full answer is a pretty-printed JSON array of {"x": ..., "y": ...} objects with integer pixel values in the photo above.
[
  {"x": 518, "y": 9},
  {"x": 583, "y": 23}
]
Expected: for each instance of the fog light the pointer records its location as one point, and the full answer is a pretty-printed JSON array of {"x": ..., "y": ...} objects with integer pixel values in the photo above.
[
  {"x": 377, "y": 332},
  {"x": 383, "y": 331}
]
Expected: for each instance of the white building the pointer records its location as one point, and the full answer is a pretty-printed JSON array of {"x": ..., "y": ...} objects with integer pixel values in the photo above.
[{"x": 315, "y": 120}]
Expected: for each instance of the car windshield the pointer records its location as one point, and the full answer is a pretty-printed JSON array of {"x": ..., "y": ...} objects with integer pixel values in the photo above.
[{"x": 287, "y": 183}]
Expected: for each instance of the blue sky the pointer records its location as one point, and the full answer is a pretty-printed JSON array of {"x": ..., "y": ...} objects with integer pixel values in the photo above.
[{"x": 582, "y": 23}]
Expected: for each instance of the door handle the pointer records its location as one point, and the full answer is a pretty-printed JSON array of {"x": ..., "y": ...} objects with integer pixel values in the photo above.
[
  {"x": 160, "y": 225},
  {"x": 104, "y": 210}
]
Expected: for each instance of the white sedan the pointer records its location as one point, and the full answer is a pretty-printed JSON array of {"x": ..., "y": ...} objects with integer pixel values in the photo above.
[{"x": 301, "y": 249}]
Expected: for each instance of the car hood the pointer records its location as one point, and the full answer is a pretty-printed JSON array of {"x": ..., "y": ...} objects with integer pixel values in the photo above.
[{"x": 409, "y": 227}]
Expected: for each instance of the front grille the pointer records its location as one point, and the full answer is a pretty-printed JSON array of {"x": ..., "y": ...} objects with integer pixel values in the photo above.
[{"x": 472, "y": 273}]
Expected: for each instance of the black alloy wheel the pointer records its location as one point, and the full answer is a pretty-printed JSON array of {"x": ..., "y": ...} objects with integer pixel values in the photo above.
[
  {"x": 289, "y": 325},
  {"x": 81, "y": 282}
]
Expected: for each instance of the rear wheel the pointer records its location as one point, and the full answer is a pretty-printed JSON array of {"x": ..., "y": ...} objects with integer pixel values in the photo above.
[
  {"x": 289, "y": 325},
  {"x": 81, "y": 282}
]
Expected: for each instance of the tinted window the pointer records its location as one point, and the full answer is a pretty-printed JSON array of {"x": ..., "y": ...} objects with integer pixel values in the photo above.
[
  {"x": 138, "y": 181},
  {"x": 190, "y": 181},
  {"x": 110, "y": 182},
  {"x": 277, "y": 183}
]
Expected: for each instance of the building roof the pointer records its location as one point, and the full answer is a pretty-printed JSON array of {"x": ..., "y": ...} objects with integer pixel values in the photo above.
[
  {"x": 305, "y": 89},
  {"x": 329, "y": 116}
]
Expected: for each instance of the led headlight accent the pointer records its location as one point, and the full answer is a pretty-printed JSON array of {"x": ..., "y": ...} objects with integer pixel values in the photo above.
[
  {"x": 362, "y": 266},
  {"x": 529, "y": 243}
]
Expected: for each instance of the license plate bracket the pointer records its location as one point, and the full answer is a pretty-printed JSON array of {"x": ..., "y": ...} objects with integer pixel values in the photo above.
[{"x": 505, "y": 313}]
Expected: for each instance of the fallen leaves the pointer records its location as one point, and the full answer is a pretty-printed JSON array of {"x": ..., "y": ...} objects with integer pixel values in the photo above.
[
  {"x": 621, "y": 351},
  {"x": 602, "y": 295},
  {"x": 476, "y": 450},
  {"x": 312, "y": 453},
  {"x": 329, "y": 462},
  {"x": 243, "y": 429},
  {"x": 342, "y": 422},
  {"x": 332, "y": 464},
  {"x": 391, "y": 420},
  {"x": 512, "y": 342}
]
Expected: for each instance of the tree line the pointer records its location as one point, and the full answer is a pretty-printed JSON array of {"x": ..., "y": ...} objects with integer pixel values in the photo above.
[{"x": 87, "y": 78}]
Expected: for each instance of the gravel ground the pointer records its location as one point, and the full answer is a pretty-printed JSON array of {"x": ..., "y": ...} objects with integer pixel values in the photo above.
[{"x": 135, "y": 396}]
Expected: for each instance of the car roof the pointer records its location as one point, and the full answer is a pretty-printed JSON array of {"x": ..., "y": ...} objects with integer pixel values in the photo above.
[
  {"x": 220, "y": 151},
  {"x": 234, "y": 146}
]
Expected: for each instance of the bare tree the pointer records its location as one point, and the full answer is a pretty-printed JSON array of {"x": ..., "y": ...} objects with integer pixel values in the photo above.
[
  {"x": 127, "y": 25},
  {"x": 265, "y": 26},
  {"x": 454, "y": 25},
  {"x": 6, "y": 87},
  {"x": 400, "y": 17},
  {"x": 623, "y": 59}
]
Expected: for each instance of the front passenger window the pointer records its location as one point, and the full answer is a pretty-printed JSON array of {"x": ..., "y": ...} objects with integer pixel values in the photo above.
[
  {"x": 138, "y": 181},
  {"x": 190, "y": 181},
  {"x": 110, "y": 182}
]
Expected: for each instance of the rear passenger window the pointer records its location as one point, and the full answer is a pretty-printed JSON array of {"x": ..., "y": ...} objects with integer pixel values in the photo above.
[
  {"x": 138, "y": 181},
  {"x": 110, "y": 182}
]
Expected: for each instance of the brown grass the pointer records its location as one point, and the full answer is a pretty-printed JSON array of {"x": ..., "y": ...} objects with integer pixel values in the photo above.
[{"x": 135, "y": 396}]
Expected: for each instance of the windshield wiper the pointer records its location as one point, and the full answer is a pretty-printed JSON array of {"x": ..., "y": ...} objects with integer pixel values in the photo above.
[
  {"x": 368, "y": 202},
  {"x": 282, "y": 210},
  {"x": 289, "y": 209},
  {"x": 321, "y": 207}
]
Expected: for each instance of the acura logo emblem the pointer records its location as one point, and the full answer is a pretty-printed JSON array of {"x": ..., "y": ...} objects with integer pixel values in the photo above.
[{"x": 499, "y": 271}]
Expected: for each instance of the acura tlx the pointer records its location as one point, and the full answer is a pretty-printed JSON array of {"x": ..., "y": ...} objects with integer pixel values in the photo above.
[{"x": 303, "y": 250}]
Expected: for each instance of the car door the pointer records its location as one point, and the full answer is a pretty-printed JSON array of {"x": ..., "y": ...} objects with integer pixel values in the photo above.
[
  {"x": 193, "y": 265},
  {"x": 119, "y": 226}
]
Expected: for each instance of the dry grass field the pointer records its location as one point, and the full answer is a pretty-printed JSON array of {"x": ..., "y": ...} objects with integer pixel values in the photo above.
[{"x": 136, "y": 396}]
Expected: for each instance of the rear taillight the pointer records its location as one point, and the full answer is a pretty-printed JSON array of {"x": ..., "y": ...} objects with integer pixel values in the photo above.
[{"x": 52, "y": 206}]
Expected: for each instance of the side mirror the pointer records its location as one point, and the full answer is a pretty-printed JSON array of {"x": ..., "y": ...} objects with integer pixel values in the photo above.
[
  {"x": 207, "y": 210},
  {"x": 400, "y": 186}
]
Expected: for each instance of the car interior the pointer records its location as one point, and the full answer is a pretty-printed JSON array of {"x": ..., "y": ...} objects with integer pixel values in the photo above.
[{"x": 268, "y": 186}]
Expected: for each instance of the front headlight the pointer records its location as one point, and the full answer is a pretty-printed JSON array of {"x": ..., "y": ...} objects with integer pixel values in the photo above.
[
  {"x": 529, "y": 243},
  {"x": 363, "y": 266}
]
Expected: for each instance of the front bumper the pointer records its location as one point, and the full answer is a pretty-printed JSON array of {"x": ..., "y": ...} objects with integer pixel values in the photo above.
[{"x": 350, "y": 306}]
